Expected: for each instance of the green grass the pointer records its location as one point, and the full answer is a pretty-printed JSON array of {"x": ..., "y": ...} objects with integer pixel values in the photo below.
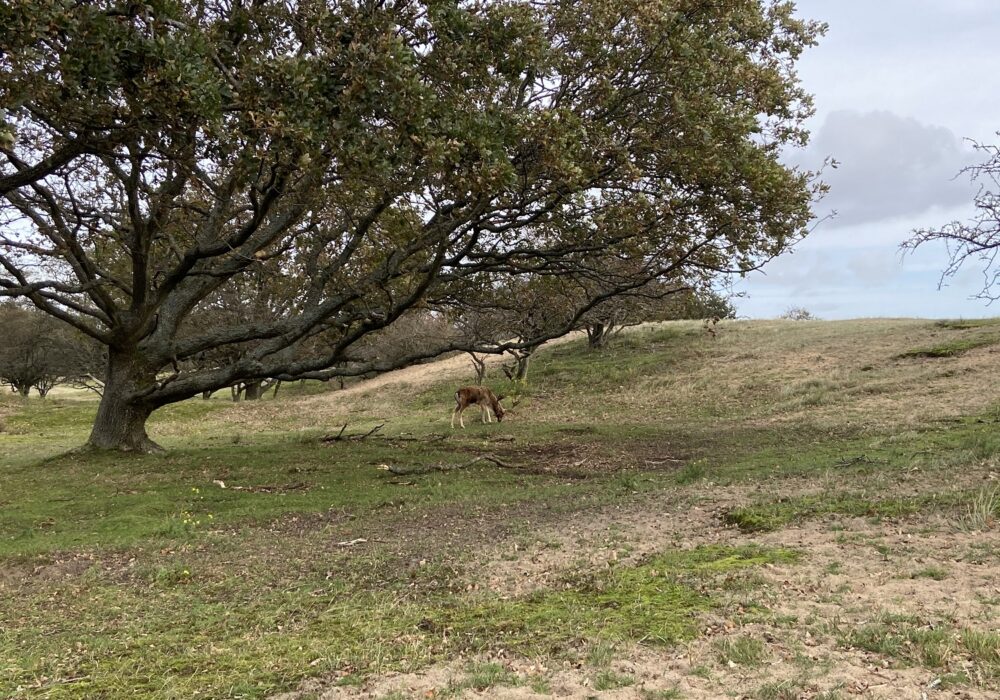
[
  {"x": 140, "y": 576},
  {"x": 950, "y": 349},
  {"x": 791, "y": 689},
  {"x": 612, "y": 680},
  {"x": 740, "y": 651},
  {"x": 911, "y": 642},
  {"x": 772, "y": 515},
  {"x": 118, "y": 501},
  {"x": 981, "y": 333},
  {"x": 663, "y": 694},
  {"x": 481, "y": 676},
  {"x": 935, "y": 573},
  {"x": 967, "y": 323},
  {"x": 185, "y": 633}
]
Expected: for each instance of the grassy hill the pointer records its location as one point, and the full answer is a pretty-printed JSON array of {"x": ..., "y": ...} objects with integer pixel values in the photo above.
[{"x": 791, "y": 509}]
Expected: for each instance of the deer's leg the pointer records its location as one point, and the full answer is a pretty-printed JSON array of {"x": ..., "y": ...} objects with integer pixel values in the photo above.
[
  {"x": 484, "y": 414},
  {"x": 459, "y": 409}
]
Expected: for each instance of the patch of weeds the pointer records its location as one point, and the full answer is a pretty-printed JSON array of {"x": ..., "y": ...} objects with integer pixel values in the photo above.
[
  {"x": 984, "y": 510},
  {"x": 811, "y": 665},
  {"x": 174, "y": 575},
  {"x": 701, "y": 672},
  {"x": 982, "y": 553},
  {"x": 395, "y": 695},
  {"x": 656, "y": 602},
  {"x": 932, "y": 647},
  {"x": 481, "y": 676},
  {"x": 690, "y": 473},
  {"x": 984, "y": 647},
  {"x": 785, "y": 620},
  {"x": 951, "y": 348},
  {"x": 936, "y": 573},
  {"x": 904, "y": 638},
  {"x": 660, "y": 694},
  {"x": 601, "y": 654},
  {"x": 540, "y": 684},
  {"x": 740, "y": 651},
  {"x": 831, "y": 694},
  {"x": 876, "y": 638},
  {"x": 610, "y": 680},
  {"x": 743, "y": 582},
  {"x": 959, "y": 324},
  {"x": 833, "y": 568},
  {"x": 953, "y": 680},
  {"x": 883, "y": 549},
  {"x": 719, "y": 558},
  {"x": 811, "y": 392},
  {"x": 626, "y": 483},
  {"x": 351, "y": 680},
  {"x": 789, "y": 689},
  {"x": 765, "y": 517}
]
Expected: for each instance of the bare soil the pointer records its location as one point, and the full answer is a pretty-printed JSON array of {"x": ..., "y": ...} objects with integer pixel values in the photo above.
[{"x": 854, "y": 573}]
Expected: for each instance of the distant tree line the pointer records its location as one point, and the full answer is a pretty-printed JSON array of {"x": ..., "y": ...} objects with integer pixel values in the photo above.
[{"x": 39, "y": 352}]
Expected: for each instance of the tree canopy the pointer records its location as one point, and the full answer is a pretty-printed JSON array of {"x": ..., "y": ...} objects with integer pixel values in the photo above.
[{"x": 362, "y": 159}]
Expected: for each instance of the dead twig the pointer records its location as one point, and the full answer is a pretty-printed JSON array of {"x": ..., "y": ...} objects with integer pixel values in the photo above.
[
  {"x": 354, "y": 436},
  {"x": 426, "y": 469},
  {"x": 277, "y": 488},
  {"x": 862, "y": 459},
  {"x": 430, "y": 437}
]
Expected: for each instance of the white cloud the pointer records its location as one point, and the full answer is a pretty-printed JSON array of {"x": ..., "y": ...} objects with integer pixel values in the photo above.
[
  {"x": 899, "y": 85},
  {"x": 890, "y": 166}
]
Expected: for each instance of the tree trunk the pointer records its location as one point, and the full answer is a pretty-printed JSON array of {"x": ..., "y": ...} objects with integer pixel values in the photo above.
[
  {"x": 521, "y": 373},
  {"x": 479, "y": 364},
  {"x": 252, "y": 390},
  {"x": 597, "y": 333},
  {"x": 121, "y": 417}
]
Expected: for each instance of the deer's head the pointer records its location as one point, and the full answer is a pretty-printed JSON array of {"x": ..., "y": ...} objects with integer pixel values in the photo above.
[{"x": 498, "y": 409}]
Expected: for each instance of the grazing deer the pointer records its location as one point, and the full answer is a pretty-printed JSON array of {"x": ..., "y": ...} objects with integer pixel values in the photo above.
[{"x": 479, "y": 396}]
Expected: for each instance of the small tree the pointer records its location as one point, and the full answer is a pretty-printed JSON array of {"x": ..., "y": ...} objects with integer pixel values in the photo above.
[
  {"x": 797, "y": 313},
  {"x": 979, "y": 238}
]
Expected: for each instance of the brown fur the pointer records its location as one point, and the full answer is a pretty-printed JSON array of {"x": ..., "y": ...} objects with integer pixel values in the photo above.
[{"x": 478, "y": 396}]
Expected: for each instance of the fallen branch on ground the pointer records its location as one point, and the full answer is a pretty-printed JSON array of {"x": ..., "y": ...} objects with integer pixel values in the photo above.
[
  {"x": 863, "y": 459},
  {"x": 354, "y": 436},
  {"x": 426, "y": 469},
  {"x": 277, "y": 488}
]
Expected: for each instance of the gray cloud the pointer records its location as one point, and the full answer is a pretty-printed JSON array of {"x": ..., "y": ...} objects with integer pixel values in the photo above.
[
  {"x": 890, "y": 166},
  {"x": 923, "y": 63}
]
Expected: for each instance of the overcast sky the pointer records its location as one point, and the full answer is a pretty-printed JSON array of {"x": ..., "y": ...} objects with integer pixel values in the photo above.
[{"x": 900, "y": 85}]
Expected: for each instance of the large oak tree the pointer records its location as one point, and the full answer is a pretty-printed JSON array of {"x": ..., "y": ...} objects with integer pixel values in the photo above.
[{"x": 374, "y": 156}]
